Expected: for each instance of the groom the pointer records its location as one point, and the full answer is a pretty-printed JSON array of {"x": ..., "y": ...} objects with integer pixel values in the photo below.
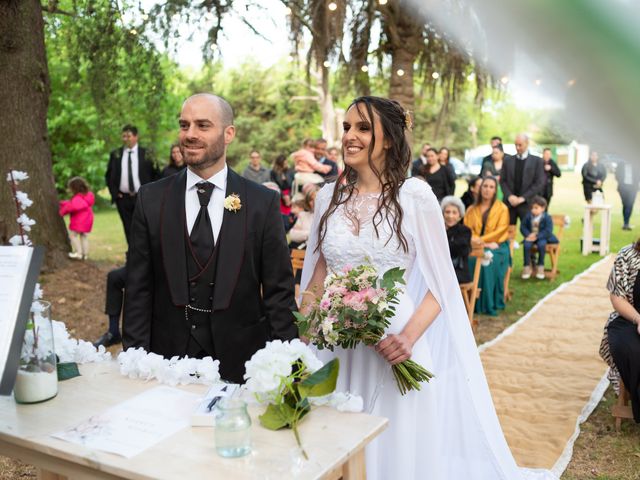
[{"x": 209, "y": 272}]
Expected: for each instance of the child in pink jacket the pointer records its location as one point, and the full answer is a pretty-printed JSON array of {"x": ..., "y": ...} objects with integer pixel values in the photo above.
[{"x": 81, "y": 213}]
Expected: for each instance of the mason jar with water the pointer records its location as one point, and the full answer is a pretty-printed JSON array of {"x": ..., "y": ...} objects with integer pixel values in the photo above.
[{"x": 233, "y": 428}]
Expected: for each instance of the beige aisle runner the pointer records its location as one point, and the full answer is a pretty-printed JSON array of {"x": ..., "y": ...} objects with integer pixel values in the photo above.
[{"x": 545, "y": 372}]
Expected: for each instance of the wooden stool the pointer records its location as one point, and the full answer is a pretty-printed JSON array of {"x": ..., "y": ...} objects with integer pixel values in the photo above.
[
  {"x": 508, "y": 294},
  {"x": 470, "y": 291},
  {"x": 622, "y": 409},
  {"x": 553, "y": 249}
]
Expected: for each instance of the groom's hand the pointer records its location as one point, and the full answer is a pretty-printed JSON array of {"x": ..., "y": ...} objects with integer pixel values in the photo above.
[{"x": 395, "y": 348}]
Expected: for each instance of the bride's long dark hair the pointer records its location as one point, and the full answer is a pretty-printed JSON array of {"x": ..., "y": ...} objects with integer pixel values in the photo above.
[{"x": 394, "y": 120}]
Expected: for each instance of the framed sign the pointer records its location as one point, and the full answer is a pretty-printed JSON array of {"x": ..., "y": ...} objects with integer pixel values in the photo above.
[{"x": 19, "y": 270}]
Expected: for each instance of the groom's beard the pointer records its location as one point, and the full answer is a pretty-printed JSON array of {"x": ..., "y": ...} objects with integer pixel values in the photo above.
[{"x": 211, "y": 155}]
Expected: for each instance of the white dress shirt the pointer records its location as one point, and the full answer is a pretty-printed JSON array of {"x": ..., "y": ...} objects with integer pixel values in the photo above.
[
  {"x": 523, "y": 156},
  {"x": 124, "y": 175},
  {"x": 216, "y": 203}
]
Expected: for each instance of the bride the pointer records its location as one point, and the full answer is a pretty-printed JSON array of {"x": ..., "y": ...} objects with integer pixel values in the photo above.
[{"x": 449, "y": 429}]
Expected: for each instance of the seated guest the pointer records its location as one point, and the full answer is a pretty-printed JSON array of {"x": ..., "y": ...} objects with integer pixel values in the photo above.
[
  {"x": 436, "y": 175},
  {"x": 116, "y": 281},
  {"x": 471, "y": 195},
  {"x": 459, "y": 236},
  {"x": 176, "y": 162},
  {"x": 322, "y": 155},
  {"x": 308, "y": 169},
  {"x": 620, "y": 346},
  {"x": 488, "y": 220},
  {"x": 299, "y": 233},
  {"x": 537, "y": 229}
]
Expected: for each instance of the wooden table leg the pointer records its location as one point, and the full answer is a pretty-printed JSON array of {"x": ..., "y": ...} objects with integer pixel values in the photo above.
[
  {"x": 355, "y": 468},
  {"x": 587, "y": 233}
]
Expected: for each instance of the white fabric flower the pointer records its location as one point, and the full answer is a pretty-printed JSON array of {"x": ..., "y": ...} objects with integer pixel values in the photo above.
[
  {"x": 17, "y": 240},
  {"x": 24, "y": 200},
  {"x": 37, "y": 292},
  {"x": 18, "y": 176},
  {"x": 26, "y": 222}
]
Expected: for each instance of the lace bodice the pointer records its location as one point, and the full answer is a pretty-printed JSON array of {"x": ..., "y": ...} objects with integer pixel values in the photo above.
[{"x": 351, "y": 238}]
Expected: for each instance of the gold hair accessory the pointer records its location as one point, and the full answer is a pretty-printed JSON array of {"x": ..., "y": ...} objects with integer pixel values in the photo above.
[{"x": 408, "y": 122}]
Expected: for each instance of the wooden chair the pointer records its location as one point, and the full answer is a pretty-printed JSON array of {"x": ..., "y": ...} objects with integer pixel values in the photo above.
[
  {"x": 297, "y": 260},
  {"x": 470, "y": 291},
  {"x": 508, "y": 294},
  {"x": 622, "y": 409},
  {"x": 553, "y": 249}
]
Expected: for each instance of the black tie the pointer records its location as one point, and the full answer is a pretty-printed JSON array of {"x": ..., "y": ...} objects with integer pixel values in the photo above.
[
  {"x": 132, "y": 187},
  {"x": 201, "y": 234}
]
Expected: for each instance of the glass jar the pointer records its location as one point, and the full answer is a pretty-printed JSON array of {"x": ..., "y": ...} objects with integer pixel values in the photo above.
[
  {"x": 37, "y": 378},
  {"x": 233, "y": 428}
]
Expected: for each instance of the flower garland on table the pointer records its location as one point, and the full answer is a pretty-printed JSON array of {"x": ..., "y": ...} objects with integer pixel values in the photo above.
[{"x": 137, "y": 363}]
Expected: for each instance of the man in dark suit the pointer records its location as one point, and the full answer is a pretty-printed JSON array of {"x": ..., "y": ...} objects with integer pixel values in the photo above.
[
  {"x": 321, "y": 155},
  {"x": 208, "y": 271},
  {"x": 522, "y": 179},
  {"x": 628, "y": 177},
  {"x": 419, "y": 163},
  {"x": 129, "y": 168},
  {"x": 551, "y": 170}
]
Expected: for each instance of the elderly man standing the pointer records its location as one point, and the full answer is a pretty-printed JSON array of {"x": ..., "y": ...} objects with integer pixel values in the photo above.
[
  {"x": 522, "y": 179},
  {"x": 208, "y": 270}
]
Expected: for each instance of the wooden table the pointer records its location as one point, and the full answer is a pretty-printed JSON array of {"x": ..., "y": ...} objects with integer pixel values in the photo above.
[
  {"x": 605, "y": 229},
  {"x": 334, "y": 441}
]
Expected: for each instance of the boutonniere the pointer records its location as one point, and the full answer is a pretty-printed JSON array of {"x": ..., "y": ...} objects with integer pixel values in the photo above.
[{"x": 233, "y": 203}]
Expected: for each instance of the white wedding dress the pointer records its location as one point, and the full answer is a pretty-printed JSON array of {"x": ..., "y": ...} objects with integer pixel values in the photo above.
[{"x": 449, "y": 429}]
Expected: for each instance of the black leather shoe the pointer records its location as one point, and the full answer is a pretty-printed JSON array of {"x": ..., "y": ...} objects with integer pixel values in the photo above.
[{"x": 107, "y": 340}]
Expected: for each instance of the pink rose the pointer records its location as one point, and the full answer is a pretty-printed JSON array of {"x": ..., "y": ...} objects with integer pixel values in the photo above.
[{"x": 325, "y": 304}]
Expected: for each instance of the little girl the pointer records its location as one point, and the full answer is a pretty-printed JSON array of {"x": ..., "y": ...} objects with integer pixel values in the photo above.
[{"x": 81, "y": 213}]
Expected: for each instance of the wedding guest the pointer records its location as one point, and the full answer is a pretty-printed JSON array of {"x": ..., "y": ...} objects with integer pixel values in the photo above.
[
  {"x": 494, "y": 142},
  {"x": 522, "y": 178},
  {"x": 470, "y": 196},
  {"x": 493, "y": 166},
  {"x": 419, "y": 163},
  {"x": 620, "y": 346},
  {"x": 458, "y": 235},
  {"x": 130, "y": 167},
  {"x": 537, "y": 229},
  {"x": 444, "y": 160},
  {"x": 255, "y": 171},
  {"x": 322, "y": 156},
  {"x": 436, "y": 175},
  {"x": 299, "y": 233},
  {"x": 593, "y": 176},
  {"x": 551, "y": 170},
  {"x": 116, "y": 282},
  {"x": 176, "y": 163},
  {"x": 282, "y": 175},
  {"x": 308, "y": 169},
  {"x": 488, "y": 220},
  {"x": 80, "y": 211},
  {"x": 628, "y": 177}
]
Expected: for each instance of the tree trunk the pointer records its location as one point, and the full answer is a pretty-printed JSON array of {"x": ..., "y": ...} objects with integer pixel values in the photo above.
[
  {"x": 330, "y": 127},
  {"x": 24, "y": 97},
  {"x": 401, "y": 85}
]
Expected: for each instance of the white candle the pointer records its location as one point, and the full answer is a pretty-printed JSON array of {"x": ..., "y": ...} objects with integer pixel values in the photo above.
[{"x": 34, "y": 387}]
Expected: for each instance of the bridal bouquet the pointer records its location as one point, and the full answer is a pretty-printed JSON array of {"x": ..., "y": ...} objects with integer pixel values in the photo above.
[{"x": 357, "y": 307}]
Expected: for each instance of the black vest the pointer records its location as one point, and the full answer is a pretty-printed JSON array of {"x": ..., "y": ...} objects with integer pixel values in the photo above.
[{"x": 201, "y": 285}]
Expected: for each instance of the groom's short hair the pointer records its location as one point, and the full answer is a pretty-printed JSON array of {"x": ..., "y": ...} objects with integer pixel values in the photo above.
[{"x": 224, "y": 109}]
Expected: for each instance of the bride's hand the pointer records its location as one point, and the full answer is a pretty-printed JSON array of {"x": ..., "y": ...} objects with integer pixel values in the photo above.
[{"x": 395, "y": 348}]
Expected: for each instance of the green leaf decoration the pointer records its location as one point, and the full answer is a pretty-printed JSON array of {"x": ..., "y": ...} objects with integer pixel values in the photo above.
[
  {"x": 321, "y": 382},
  {"x": 276, "y": 417},
  {"x": 67, "y": 370}
]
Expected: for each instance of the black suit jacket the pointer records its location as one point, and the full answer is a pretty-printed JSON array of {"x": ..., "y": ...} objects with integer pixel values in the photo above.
[
  {"x": 146, "y": 170},
  {"x": 416, "y": 167},
  {"x": 253, "y": 295},
  {"x": 533, "y": 177}
]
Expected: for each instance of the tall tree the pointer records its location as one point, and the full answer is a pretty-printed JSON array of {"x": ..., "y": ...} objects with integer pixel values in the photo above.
[{"x": 24, "y": 97}]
